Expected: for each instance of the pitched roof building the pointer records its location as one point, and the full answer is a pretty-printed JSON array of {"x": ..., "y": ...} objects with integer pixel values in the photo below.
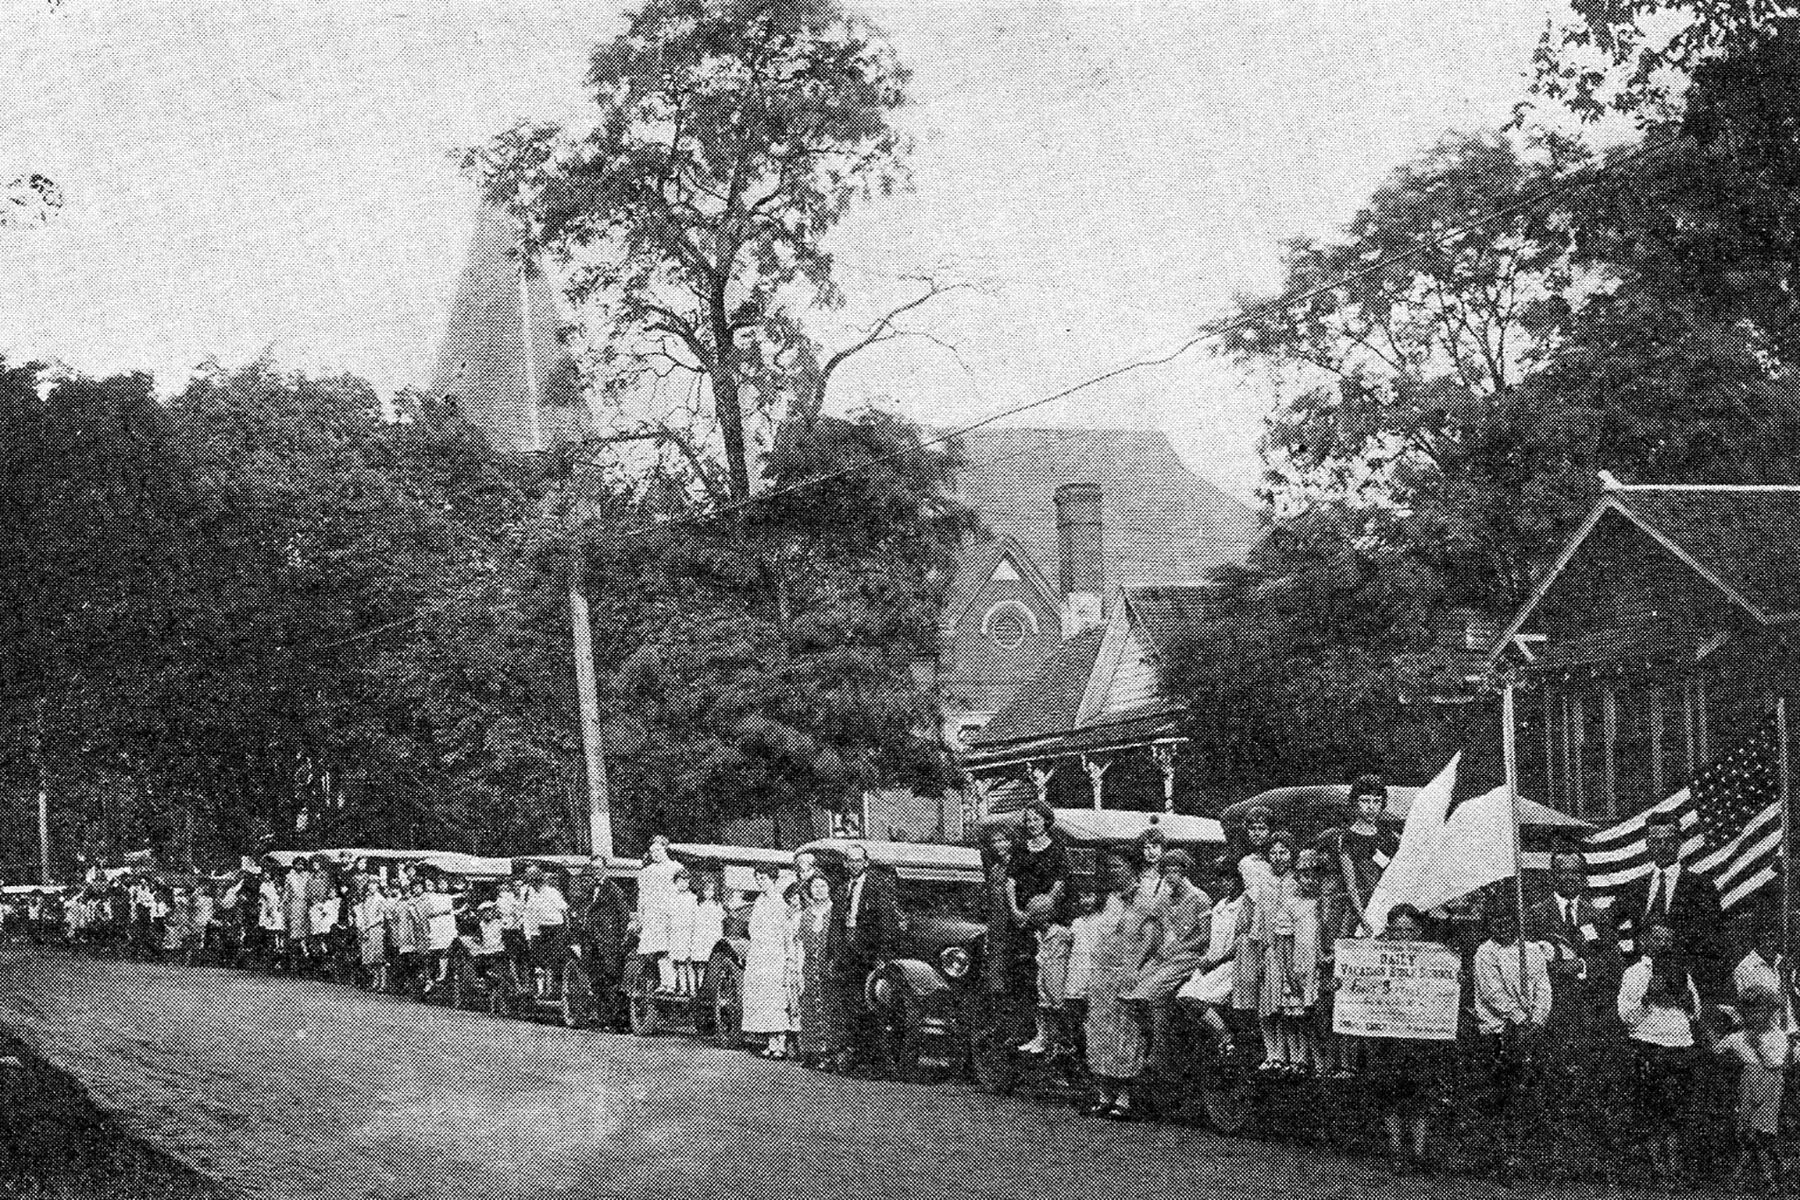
[
  {"x": 1660, "y": 634},
  {"x": 1056, "y": 548}
]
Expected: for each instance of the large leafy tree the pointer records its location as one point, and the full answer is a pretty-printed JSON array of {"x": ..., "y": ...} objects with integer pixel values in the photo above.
[
  {"x": 772, "y": 666},
  {"x": 1412, "y": 493},
  {"x": 1397, "y": 390},
  {"x": 731, "y": 136}
]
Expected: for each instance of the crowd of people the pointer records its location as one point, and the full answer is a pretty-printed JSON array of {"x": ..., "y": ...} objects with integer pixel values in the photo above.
[
  {"x": 1584, "y": 1030},
  {"x": 1584, "y": 1033}
]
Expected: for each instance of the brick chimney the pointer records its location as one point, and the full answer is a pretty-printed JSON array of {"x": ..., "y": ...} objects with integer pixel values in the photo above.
[{"x": 1082, "y": 569}]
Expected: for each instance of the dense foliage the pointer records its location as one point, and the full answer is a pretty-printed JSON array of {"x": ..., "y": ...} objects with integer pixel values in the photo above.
[{"x": 1442, "y": 424}]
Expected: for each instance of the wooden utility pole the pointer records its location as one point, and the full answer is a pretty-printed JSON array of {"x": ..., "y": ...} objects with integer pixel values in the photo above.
[
  {"x": 587, "y": 693},
  {"x": 43, "y": 795}
]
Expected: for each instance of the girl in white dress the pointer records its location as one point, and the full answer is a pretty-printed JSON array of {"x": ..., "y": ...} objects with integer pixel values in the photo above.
[
  {"x": 708, "y": 928},
  {"x": 656, "y": 889},
  {"x": 678, "y": 972},
  {"x": 765, "y": 965}
]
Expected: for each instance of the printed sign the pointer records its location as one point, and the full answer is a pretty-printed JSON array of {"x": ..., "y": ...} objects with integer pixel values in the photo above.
[{"x": 1396, "y": 989}]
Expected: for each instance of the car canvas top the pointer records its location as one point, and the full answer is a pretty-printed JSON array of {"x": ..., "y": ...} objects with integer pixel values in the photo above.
[{"x": 915, "y": 860}]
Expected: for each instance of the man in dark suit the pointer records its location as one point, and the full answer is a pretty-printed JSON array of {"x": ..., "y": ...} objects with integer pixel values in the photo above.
[
  {"x": 605, "y": 919},
  {"x": 870, "y": 920},
  {"x": 1685, "y": 901},
  {"x": 1581, "y": 1070}
]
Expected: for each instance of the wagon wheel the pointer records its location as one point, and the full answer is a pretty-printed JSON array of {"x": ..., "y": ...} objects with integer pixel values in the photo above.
[
  {"x": 725, "y": 993},
  {"x": 639, "y": 988}
]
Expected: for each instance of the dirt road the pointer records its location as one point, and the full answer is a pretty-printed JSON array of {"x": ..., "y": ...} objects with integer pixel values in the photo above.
[{"x": 292, "y": 1088}]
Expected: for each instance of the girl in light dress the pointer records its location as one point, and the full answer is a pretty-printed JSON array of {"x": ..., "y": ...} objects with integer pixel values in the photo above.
[
  {"x": 656, "y": 891},
  {"x": 1209, "y": 990},
  {"x": 1266, "y": 942},
  {"x": 706, "y": 931},
  {"x": 1115, "y": 1040},
  {"x": 677, "y": 974},
  {"x": 1298, "y": 956}
]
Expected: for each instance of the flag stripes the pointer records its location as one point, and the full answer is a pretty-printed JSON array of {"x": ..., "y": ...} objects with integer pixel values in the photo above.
[{"x": 1731, "y": 834}]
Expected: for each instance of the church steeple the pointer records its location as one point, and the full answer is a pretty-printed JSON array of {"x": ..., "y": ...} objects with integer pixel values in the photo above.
[{"x": 502, "y": 357}]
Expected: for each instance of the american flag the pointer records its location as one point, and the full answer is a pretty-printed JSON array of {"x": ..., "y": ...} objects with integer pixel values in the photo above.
[{"x": 1730, "y": 820}]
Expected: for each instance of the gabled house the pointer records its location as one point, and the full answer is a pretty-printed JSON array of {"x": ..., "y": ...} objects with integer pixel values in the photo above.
[
  {"x": 1072, "y": 513},
  {"x": 1663, "y": 630},
  {"x": 1097, "y": 727}
]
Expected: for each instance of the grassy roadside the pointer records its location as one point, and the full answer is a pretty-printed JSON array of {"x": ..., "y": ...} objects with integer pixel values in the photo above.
[{"x": 56, "y": 1145}]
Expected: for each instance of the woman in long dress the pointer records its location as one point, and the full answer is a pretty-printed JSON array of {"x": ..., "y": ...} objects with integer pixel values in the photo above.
[
  {"x": 765, "y": 965},
  {"x": 816, "y": 937},
  {"x": 1115, "y": 1040}
]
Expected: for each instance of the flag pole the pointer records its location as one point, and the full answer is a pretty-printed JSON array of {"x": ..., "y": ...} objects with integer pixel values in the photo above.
[
  {"x": 1787, "y": 874},
  {"x": 1509, "y": 751}
]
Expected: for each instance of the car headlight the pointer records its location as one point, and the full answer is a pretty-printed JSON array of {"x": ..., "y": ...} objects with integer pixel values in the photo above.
[{"x": 955, "y": 962}]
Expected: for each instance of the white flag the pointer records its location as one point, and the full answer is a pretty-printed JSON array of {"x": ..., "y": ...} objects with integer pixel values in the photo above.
[{"x": 1446, "y": 852}]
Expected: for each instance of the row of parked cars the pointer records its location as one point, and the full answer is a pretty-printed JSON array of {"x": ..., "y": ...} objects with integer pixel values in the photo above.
[{"x": 936, "y": 1021}]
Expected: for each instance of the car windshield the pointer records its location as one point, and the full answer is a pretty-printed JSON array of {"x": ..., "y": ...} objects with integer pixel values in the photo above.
[{"x": 932, "y": 898}]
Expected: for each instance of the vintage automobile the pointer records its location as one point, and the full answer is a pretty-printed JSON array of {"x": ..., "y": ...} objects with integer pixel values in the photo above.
[
  {"x": 927, "y": 995},
  {"x": 1088, "y": 833},
  {"x": 1311, "y": 809},
  {"x": 716, "y": 1008},
  {"x": 567, "y": 998}
]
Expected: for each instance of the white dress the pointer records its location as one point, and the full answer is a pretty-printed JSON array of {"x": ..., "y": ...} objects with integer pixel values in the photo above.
[
  {"x": 1215, "y": 985},
  {"x": 656, "y": 889},
  {"x": 765, "y": 967},
  {"x": 681, "y": 924},
  {"x": 709, "y": 929}
]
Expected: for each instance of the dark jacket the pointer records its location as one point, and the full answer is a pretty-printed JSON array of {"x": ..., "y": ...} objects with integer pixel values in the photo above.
[
  {"x": 1587, "y": 966},
  {"x": 604, "y": 920},
  {"x": 1695, "y": 918},
  {"x": 877, "y": 928}
]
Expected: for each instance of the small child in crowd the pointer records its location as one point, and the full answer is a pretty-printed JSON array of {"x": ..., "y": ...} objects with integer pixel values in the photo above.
[
  {"x": 707, "y": 930},
  {"x": 677, "y": 970},
  {"x": 1084, "y": 936},
  {"x": 1763, "y": 1049}
]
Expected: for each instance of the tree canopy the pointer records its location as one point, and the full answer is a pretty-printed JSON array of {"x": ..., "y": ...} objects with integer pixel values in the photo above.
[
  {"x": 730, "y": 137},
  {"x": 1440, "y": 425}
]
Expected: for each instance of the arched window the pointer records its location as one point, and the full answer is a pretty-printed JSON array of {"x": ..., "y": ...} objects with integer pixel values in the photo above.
[{"x": 1008, "y": 623}]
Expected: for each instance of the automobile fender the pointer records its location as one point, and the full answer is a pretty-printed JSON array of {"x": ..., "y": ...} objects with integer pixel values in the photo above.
[{"x": 921, "y": 979}]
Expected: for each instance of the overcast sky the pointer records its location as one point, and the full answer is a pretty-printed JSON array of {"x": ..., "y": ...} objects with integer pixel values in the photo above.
[{"x": 280, "y": 175}]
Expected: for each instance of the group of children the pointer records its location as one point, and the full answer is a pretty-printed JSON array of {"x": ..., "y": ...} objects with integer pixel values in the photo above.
[
  {"x": 681, "y": 918},
  {"x": 1264, "y": 956}
]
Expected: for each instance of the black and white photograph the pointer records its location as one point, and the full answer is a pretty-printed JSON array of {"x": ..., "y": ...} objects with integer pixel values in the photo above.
[{"x": 945, "y": 599}]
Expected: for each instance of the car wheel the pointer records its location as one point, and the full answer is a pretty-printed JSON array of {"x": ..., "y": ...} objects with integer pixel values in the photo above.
[
  {"x": 725, "y": 995},
  {"x": 1228, "y": 1103},
  {"x": 904, "y": 1044},
  {"x": 639, "y": 989}
]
